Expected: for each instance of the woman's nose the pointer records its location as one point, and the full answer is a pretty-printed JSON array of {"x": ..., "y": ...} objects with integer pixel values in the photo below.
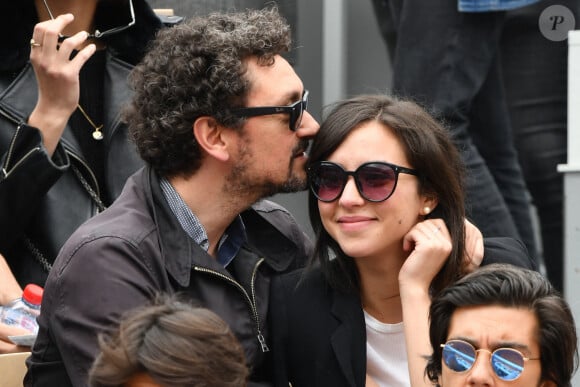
[{"x": 350, "y": 195}]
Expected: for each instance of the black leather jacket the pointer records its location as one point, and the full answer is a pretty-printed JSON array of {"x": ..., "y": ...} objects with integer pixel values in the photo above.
[{"x": 42, "y": 199}]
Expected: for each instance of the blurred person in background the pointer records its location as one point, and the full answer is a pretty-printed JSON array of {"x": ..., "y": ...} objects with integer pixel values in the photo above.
[
  {"x": 445, "y": 56},
  {"x": 534, "y": 57},
  {"x": 64, "y": 150}
]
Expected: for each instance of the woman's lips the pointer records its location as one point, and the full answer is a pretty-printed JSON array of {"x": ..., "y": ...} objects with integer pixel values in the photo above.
[{"x": 354, "y": 222}]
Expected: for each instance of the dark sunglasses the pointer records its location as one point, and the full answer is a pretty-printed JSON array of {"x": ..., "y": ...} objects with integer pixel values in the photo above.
[
  {"x": 98, "y": 34},
  {"x": 376, "y": 181},
  {"x": 506, "y": 363},
  {"x": 296, "y": 111}
]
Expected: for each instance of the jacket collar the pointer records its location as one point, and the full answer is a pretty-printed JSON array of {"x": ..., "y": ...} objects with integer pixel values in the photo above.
[
  {"x": 271, "y": 234},
  {"x": 176, "y": 246},
  {"x": 348, "y": 340},
  {"x": 182, "y": 253}
]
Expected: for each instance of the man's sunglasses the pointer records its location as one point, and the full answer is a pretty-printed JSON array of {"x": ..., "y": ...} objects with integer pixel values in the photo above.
[
  {"x": 376, "y": 181},
  {"x": 98, "y": 34},
  {"x": 506, "y": 363},
  {"x": 295, "y": 110}
]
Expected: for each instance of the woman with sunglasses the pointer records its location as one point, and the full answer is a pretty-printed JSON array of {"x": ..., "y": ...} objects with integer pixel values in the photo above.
[
  {"x": 502, "y": 326},
  {"x": 386, "y": 205}
]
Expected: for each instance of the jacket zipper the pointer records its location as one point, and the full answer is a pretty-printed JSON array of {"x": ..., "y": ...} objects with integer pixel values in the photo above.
[
  {"x": 251, "y": 300},
  {"x": 71, "y": 153},
  {"x": 9, "y": 117},
  {"x": 89, "y": 170},
  {"x": 10, "y": 152}
]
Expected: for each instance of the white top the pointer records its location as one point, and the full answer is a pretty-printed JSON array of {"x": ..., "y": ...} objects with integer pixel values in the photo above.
[{"x": 386, "y": 353}]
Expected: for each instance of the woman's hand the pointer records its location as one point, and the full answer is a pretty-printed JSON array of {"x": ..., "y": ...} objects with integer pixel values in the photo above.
[
  {"x": 6, "y": 346},
  {"x": 11, "y": 348},
  {"x": 9, "y": 288},
  {"x": 473, "y": 247},
  {"x": 57, "y": 76},
  {"x": 429, "y": 244}
]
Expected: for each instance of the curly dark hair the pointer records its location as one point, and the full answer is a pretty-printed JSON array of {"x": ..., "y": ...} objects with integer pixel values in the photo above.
[
  {"x": 429, "y": 149},
  {"x": 512, "y": 287},
  {"x": 175, "y": 343},
  {"x": 197, "y": 69}
]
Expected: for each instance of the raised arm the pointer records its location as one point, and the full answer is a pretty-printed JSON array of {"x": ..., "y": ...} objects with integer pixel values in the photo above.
[
  {"x": 57, "y": 76},
  {"x": 429, "y": 244},
  {"x": 31, "y": 161}
]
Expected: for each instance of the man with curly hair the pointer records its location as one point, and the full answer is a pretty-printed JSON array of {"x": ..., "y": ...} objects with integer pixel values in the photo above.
[{"x": 219, "y": 116}]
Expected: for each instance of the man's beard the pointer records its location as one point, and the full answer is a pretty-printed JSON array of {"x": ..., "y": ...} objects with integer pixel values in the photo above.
[{"x": 244, "y": 184}]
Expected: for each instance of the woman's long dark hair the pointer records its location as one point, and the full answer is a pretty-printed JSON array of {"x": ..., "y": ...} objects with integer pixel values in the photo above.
[{"x": 428, "y": 148}]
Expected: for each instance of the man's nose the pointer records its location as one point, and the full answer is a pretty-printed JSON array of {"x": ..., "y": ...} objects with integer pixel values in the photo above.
[
  {"x": 308, "y": 127},
  {"x": 481, "y": 373}
]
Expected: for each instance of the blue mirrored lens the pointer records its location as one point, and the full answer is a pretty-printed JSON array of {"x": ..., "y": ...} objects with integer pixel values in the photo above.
[
  {"x": 507, "y": 364},
  {"x": 458, "y": 356}
]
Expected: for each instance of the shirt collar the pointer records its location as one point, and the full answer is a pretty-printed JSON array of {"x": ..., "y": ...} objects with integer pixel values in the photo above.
[{"x": 230, "y": 242}]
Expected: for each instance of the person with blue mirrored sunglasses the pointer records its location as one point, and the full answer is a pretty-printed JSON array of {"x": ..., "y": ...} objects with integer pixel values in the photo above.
[{"x": 502, "y": 326}]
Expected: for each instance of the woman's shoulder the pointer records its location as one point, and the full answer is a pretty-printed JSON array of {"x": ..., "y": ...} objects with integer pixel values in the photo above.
[
  {"x": 303, "y": 278},
  {"x": 303, "y": 284}
]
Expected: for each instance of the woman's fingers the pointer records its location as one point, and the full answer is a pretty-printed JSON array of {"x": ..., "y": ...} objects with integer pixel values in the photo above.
[
  {"x": 57, "y": 64},
  {"x": 47, "y": 33}
]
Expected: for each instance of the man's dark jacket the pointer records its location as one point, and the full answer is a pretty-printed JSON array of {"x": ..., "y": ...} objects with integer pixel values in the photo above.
[
  {"x": 42, "y": 199},
  {"x": 126, "y": 255}
]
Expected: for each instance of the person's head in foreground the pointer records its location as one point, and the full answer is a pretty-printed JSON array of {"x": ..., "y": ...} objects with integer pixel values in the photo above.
[
  {"x": 502, "y": 326},
  {"x": 406, "y": 170},
  {"x": 169, "y": 344}
]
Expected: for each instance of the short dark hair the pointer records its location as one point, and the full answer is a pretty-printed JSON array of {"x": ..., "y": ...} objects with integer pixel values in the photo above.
[
  {"x": 173, "y": 342},
  {"x": 197, "y": 69},
  {"x": 428, "y": 148},
  {"x": 510, "y": 286}
]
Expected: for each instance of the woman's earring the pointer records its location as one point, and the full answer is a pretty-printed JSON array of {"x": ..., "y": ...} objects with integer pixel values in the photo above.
[{"x": 426, "y": 210}]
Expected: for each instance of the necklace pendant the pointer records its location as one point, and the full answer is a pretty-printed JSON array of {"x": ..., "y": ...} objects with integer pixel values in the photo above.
[{"x": 97, "y": 134}]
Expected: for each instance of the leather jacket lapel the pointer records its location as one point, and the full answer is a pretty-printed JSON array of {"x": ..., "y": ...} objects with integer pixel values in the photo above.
[
  {"x": 20, "y": 96},
  {"x": 115, "y": 92}
]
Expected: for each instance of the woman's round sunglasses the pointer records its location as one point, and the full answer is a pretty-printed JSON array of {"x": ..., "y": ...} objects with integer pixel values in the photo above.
[
  {"x": 506, "y": 363},
  {"x": 376, "y": 181}
]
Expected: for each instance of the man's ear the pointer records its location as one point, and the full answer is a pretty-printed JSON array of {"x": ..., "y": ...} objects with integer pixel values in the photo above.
[
  {"x": 548, "y": 383},
  {"x": 212, "y": 137}
]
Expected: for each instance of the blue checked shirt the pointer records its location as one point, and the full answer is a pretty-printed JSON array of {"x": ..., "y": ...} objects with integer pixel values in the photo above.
[
  {"x": 491, "y": 5},
  {"x": 229, "y": 244}
]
